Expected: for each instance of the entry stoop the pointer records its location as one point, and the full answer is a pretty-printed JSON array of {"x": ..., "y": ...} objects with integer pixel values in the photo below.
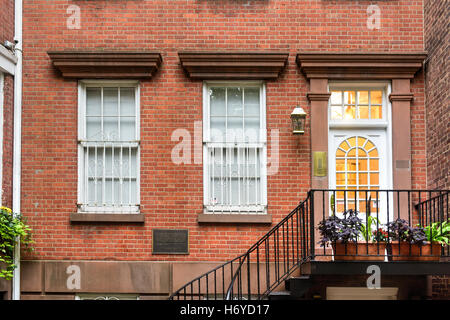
[{"x": 296, "y": 288}]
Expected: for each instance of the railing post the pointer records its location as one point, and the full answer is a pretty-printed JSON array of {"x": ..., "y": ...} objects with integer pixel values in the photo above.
[{"x": 311, "y": 222}]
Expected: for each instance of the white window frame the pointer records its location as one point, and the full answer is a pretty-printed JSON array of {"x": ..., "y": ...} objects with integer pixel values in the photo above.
[
  {"x": 385, "y": 123},
  {"x": 361, "y": 123},
  {"x": 82, "y": 202},
  {"x": 262, "y": 144}
]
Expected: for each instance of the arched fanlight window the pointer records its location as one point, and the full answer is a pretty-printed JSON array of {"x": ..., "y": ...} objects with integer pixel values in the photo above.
[{"x": 357, "y": 168}]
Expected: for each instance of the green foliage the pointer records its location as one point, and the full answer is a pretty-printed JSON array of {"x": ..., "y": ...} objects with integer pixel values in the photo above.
[
  {"x": 438, "y": 232},
  {"x": 12, "y": 227},
  {"x": 366, "y": 230},
  {"x": 332, "y": 203}
]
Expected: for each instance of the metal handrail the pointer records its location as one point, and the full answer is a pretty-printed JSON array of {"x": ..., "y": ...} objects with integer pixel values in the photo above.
[{"x": 298, "y": 243}]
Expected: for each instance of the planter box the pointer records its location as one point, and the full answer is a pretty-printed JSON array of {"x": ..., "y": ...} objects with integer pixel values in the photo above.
[
  {"x": 360, "y": 251},
  {"x": 414, "y": 252}
]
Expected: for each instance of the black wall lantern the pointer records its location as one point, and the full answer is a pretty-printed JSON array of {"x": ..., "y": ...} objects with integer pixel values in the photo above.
[{"x": 298, "y": 118}]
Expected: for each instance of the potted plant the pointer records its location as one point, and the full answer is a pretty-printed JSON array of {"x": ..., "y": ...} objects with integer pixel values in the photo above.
[
  {"x": 343, "y": 234},
  {"x": 438, "y": 232},
  {"x": 12, "y": 230},
  {"x": 416, "y": 243},
  {"x": 374, "y": 244}
]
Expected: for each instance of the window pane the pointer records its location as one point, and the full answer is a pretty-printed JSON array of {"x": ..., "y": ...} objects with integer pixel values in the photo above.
[
  {"x": 361, "y": 152},
  {"x": 252, "y": 124},
  {"x": 363, "y": 112},
  {"x": 376, "y": 112},
  {"x": 217, "y": 101},
  {"x": 362, "y": 179},
  {"x": 373, "y": 153},
  {"x": 93, "y": 128},
  {"x": 108, "y": 162},
  {"x": 350, "y": 113},
  {"x": 127, "y": 101},
  {"x": 217, "y": 128},
  {"x": 134, "y": 162},
  {"x": 235, "y": 129},
  {"x": 251, "y": 100},
  {"x": 340, "y": 153},
  {"x": 352, "y": 141},
  {"x": 127, "y": 128},
  {"x": 376, "y": 97},
  {"x": 336, "y": 97},
  {"x": 93, "y": 101},
  {"x": 374, "y": 165},
  {"x": 110, "y": 128},
  {"x": 352, "y": 152},
  {"x": 374, "y": 178},
  {"x": 351, "y": 164},
  {"x": 110, "y": 101},
  {"x": 340, "y": 178},
  {"x": 336, "y": 112},
  {"x": 349, "y": 97},
  {"x": 351, "y": 178},
  {"x": 361, "y": 141},
  {"x": 340, "y": 165},
  {"x": 234, "y": 100},
  {"x": 362, "y": 163},
  {"x": 363, "y": 97}
]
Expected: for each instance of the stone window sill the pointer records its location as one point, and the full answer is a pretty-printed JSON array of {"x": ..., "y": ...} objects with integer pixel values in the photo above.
[
  {"x": 235, "y": 218},
  {"x": 107, "y": 217}
]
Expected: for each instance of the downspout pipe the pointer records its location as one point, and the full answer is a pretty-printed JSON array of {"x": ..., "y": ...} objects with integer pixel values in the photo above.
[{"x": 17, "y": 140}]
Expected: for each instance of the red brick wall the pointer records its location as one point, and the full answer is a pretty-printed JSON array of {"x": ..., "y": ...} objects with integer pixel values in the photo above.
[
  {"x": 7, "y": 33},
  {"x": 171, "y": 195},
  {"x": 6, "y": 20},
  {"x": 437, "y": 38},
  {"x": 436, "y": 17},
  {"x": 8, "y": 127}
]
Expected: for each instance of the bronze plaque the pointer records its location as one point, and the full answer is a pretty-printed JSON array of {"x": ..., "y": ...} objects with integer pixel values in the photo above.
[
  {"x": 170, "y": 241},
  {"x": 320, "y": 164}
]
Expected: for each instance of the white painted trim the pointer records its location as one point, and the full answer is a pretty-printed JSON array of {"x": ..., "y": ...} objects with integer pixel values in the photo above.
[
  {"x": 7, "y": 61},
  {"x": 257, "y": 209},
  {"x": 390, "y": 172},
  {"x": 17, "y": 142},
  {"x": 82, "y": 85},
  {"x": 365, "y": 126}
]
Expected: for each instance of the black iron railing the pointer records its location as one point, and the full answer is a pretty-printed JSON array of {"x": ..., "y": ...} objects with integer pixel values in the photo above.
[
  {"x": 381, "y": 213},
  {"x": 294, "y": 240}
]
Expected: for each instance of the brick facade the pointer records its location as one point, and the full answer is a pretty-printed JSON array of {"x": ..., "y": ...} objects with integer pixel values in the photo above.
[
  {"x": 8, "y": 127},
  {"x": 172, "y": 195},
  {"x": 437, "y": 38},
  {"x": 6, "y": 20}
]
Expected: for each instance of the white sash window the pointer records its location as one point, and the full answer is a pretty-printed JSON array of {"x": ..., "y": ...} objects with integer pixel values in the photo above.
[
  {"x": 108, "y": 147},
  {"x": 234, "y": 142}
]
